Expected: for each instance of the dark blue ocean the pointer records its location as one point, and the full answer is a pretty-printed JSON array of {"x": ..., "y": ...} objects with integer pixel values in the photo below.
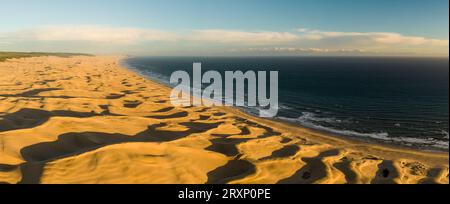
[{"x": 400, "y": 101}]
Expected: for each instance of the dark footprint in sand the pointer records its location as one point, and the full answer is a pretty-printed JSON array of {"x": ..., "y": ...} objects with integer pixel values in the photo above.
[
  {"x": 233, "y": 170},
  {"x": 314, "y": 170}
]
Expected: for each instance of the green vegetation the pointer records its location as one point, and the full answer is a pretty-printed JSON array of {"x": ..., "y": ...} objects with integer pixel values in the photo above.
[{"x": 10, "y": 55}]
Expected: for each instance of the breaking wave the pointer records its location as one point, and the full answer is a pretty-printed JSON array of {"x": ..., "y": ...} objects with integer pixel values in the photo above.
[{"x": 310, "y": 120}]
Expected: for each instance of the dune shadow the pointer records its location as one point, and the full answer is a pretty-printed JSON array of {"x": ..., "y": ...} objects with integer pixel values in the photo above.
[
  {"x": 244, "y": 131},
  {"x": 7, "y": 168},
  {"x": 226, "y": 146},
  {"x": 30, "y": 93},
  {"x": 314, "y": 169},
  {"x": 30, "y": 118},
  {"x": 386, "y": 173},
  {"x": 132, "y": 104},
  {"x": 219, "y": 114},
  {"x": 269, "y": 132},
  {"x": 204, "y": 117},
  {"x": 233, "y": 170},
  {"x": 202, "y": 110},
  {"x": 285, "y": 152},
  {"x": 285, "y": 140},
  {"x": 115, "y": 96},
  {"x": 70, "y": 144},
  {"x": 181, "y": 114},
  {"x": 31, "y": 172},
  {"x": 345, "y": 167},
  {"x": 163, "y": 110},
  {"x": 160, "y": 101},
  {"x": 431, "y": 176}
]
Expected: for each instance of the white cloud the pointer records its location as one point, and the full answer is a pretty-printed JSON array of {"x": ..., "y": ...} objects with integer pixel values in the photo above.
[
  {"x": 234, "y": 36},
  {"x": 125, "y": 35},
  {"x": 372, "y": 37},
  {"x": 98, "y": 39},
  {"x": 98, "y": 34},
  {"x": 300, "y": 50},
  {"x": 105, "y": 34}
]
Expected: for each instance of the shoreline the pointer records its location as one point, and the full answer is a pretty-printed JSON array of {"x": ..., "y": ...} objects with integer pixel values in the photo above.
[
  {"x": 365, "y": 141},
  {"x": 343, "y": 140},
  {"x": 90, "y": 120}
]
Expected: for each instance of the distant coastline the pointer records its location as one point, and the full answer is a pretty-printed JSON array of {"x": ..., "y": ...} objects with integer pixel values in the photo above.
[{"x": 16, "y": 55}]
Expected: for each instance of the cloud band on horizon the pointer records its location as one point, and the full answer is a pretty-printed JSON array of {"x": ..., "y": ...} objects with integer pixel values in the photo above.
[{"x": 128, "y": 39}]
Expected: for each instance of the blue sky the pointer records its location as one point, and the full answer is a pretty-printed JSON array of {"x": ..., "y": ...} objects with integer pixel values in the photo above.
[{"x": 355, "y": 22}]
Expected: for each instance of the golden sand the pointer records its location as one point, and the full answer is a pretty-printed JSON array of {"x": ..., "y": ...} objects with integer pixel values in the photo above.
[{"x": 88, "y": 120}]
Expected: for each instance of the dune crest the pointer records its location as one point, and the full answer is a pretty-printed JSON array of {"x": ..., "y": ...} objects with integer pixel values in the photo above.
[{"x": 88, "y": 120}]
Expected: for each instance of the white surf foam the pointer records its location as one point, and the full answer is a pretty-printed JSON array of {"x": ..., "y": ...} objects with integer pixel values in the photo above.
[
  {"x": 446, "y": 134},
  {"x": 308, "y": 119}
]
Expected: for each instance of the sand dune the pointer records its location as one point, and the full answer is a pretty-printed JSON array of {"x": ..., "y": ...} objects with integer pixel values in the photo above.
[{"x": 88, "y": 120}]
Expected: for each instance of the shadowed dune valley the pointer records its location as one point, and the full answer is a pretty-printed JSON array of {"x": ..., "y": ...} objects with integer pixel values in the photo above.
[{"x": 88, "y": 120}]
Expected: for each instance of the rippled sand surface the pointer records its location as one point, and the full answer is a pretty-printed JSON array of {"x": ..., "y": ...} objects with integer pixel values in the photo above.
[{"x": 88, "y": 120}]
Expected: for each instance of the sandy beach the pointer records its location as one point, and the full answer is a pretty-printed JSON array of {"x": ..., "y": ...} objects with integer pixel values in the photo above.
[{"x": 87, "y": 120}]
